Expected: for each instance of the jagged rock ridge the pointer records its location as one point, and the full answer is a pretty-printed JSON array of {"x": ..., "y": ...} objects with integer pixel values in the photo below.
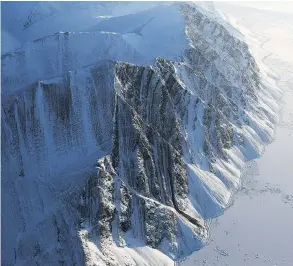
[
  {"x": 174, "y": 125},
  {"x": 170, "y": 138}
]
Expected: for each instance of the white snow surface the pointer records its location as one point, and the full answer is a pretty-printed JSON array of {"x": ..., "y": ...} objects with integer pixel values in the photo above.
[{"x": 51, "y": 47}]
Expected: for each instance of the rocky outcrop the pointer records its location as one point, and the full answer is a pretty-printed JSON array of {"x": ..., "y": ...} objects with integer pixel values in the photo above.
[
  {"x": 179, "y": 125},
  {"x": 174, "y": 126}
]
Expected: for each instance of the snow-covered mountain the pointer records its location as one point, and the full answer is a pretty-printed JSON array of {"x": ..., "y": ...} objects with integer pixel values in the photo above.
[{"x": 123, "y": 132}]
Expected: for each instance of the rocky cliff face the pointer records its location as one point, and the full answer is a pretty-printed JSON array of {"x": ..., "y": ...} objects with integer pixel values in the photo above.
[
  {"x": 51, "y": 133},
  {"x": 170, "y": 139}
]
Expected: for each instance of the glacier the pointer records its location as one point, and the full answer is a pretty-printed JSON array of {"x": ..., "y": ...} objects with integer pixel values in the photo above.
[{"x": 123, "y": 132}]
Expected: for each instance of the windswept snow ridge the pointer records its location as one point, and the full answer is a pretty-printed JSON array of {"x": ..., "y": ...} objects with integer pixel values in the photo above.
[{"x": 120, "y": 141}]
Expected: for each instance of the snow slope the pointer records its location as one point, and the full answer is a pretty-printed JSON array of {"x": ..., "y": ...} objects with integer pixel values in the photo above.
[
  {"x": 50, "y": 54},
  {"x": 257, "y": 229},
  {"x": 123, "y": 134}
]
